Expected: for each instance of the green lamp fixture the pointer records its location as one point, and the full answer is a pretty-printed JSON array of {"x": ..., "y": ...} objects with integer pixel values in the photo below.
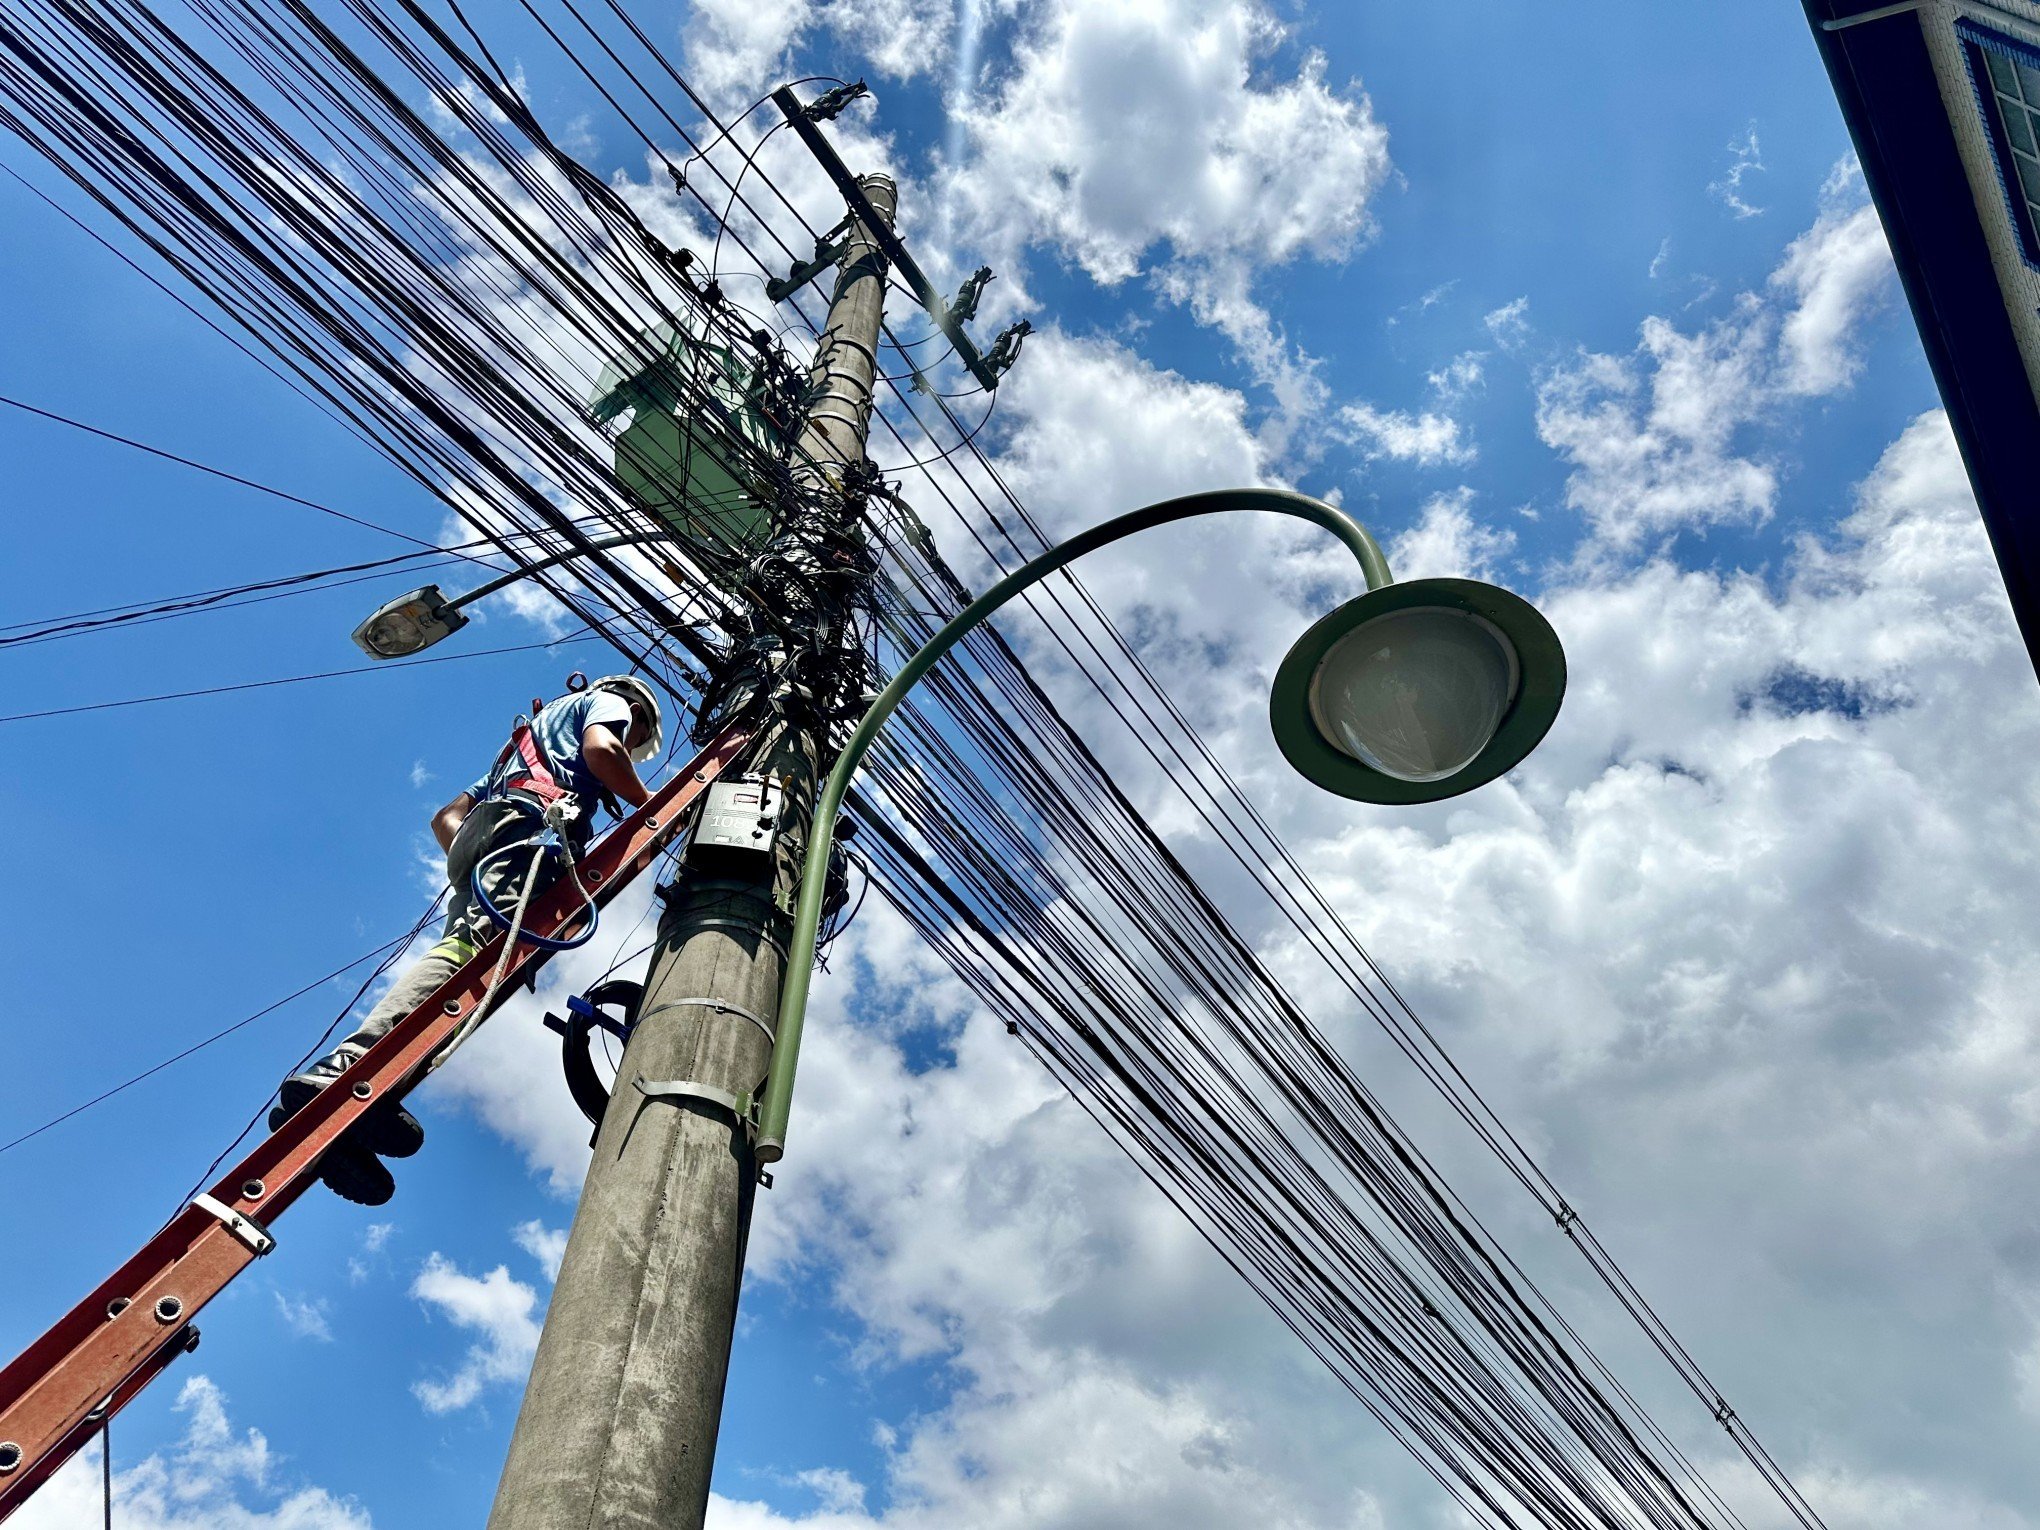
[{"x": 1419, "y": 691}]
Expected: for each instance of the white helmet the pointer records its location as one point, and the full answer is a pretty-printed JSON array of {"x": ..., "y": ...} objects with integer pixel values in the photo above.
[{"x": 638, "y": 694}]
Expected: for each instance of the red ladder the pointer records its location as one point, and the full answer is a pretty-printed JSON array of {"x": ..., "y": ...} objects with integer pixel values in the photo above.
[{"x": 95, "y": 1358}]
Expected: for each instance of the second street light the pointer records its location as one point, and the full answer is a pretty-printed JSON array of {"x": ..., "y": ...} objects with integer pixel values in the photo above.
[{"x": 1409, "y": 693}]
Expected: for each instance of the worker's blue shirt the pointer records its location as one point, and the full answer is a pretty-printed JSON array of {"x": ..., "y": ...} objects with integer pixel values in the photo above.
[{"x": 558, "y": 729}]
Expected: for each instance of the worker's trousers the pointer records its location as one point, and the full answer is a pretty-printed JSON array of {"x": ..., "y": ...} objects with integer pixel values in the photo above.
[{"x": 490, "y": 826}]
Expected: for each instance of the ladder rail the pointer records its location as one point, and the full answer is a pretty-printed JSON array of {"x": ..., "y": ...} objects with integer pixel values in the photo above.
[{"x": 59, "y": 1390}]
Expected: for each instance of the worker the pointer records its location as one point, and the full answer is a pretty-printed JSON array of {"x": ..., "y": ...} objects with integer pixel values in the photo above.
[{"x": 579, "y": 749}]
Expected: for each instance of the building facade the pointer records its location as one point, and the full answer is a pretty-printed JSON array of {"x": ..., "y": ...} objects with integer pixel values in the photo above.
[{"x": 1942, "y": 98}]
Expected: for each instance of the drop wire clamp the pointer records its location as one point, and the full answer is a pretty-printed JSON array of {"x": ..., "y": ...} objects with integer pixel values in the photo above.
[{"x": 829, "y": 105}]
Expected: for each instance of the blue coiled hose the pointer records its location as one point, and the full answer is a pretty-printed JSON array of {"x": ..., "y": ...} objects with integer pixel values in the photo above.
[{"x": 543, "y": 840}]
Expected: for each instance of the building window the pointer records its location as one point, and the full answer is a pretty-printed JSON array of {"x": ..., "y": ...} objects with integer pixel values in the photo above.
[{"x": 2006, "y": 74}]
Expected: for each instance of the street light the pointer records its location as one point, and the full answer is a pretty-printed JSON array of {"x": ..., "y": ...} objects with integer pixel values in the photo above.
[
  {"x": 1410, "y": 693},
  {"x": 413, "y": 622},
  {"x": 1417, "y": 692}
]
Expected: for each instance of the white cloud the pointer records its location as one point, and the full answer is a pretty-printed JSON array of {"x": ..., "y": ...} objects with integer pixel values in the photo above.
[
  {"x": 1425, "y": 438},
  {"x": 494, "y": 1306},
  {"x": 1166, "y": 137},
  {"x": 375, "y": 1237},
  {"x": 1834, "y": 275},
  {"x": 740, "y": 47},
  {"x": 1651, "y": 436},
  {"x": 1746, "y": 159},
  {"x": 1510, "y": 323},
  {"x": 213, "y": 1479},
  {"x": 837, "y": 1491},
  {"x": 1123, "y": 128},
  {"x": 1460, "y": 376},
  {"x": 548, "y": 1245},
  {"x": 1447, "y": 542},
  {"x": 305, "y": 1316},
  {"x": 1093, "y": 1448},
  {"x": 1656, "y": 437},
  {"x": 737, "y": 50}
]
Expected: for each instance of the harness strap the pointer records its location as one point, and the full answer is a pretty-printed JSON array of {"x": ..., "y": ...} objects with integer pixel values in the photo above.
[{"x": 536, "y": 780}]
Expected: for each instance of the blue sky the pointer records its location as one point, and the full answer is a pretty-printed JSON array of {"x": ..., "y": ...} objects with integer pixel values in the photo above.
[{"x": 1584, "y": 296}]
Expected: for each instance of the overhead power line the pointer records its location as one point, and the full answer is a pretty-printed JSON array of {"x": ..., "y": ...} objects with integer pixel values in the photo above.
[
  {"x": 258, "y": 685},
  {"x": 229, "y": 597},
  {"x": 234, "y": 478},
  {"x": 196, "y": 1047}
]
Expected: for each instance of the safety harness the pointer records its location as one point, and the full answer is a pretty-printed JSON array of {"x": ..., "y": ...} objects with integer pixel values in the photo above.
[{"x": 536, "y": 780}]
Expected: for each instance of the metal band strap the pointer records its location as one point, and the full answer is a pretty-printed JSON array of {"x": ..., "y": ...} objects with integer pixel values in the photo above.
[
  {"x": 736, "y": 1106},
  {"x": 247, "y": 1229},
  {"x": 722, "y": 1005}
]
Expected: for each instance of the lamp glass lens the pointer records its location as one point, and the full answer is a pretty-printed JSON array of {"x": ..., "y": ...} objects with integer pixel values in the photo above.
[
  {"x": 397, "y": 632},
  {"x": 1417, "y": 693}
]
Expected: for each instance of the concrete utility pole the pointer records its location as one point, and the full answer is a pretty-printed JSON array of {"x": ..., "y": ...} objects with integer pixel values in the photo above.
[{"x": 619, "y": 1421}]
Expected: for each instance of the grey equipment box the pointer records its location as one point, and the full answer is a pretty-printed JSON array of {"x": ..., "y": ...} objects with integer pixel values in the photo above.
[{"x": 738, "y": 824}]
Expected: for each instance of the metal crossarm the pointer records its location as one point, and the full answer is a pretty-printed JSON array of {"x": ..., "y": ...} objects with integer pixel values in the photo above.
[
  {"x": 881, "y": 231},
  {"x": 62, "y": 1388}
]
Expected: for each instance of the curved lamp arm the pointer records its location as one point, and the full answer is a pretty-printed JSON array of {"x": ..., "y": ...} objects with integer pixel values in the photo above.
[{"x": 778, "y": 1099}]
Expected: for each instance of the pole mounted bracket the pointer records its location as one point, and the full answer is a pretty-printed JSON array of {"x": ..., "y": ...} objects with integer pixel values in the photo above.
[
  {"x": 720, "y": 1006},
  {"x": 740, "y": 1108},
  {"x": 827, "y": 253}
]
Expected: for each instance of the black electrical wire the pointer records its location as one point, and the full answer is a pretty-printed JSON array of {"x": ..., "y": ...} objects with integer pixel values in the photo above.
[
  {"x": 257, "y": 685},
  {"x": 235, "y": 478},
  {"x": 243, "y": 1023},
  {"x": 226, "y": 597}
]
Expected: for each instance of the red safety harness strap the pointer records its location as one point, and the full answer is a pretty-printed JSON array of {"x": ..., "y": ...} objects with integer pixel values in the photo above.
[{"x": 537, "y": 780}]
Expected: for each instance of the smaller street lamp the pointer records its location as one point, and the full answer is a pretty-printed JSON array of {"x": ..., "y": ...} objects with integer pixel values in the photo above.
[
  {"x": 413, "y": 622},
  {"x": 410, "y": 624}
]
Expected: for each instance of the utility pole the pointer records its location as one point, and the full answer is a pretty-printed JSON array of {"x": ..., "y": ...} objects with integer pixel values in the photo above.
[{"x": 619, "y": 1422}]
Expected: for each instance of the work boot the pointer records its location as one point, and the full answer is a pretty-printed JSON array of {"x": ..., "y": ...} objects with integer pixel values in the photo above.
[
  {"x": 357, "y": 1175},
  {"x": 350, "y": 1167},
  {"x": 385, "y": 1128}
]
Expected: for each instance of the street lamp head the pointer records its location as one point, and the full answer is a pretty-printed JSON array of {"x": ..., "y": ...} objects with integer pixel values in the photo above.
[
  {"x": 1419, "y": 691},
  {"x": 409, "y": 624}
]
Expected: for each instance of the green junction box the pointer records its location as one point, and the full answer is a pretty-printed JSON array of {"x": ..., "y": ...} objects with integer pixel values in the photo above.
[{"x": 680, "y": 456}]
